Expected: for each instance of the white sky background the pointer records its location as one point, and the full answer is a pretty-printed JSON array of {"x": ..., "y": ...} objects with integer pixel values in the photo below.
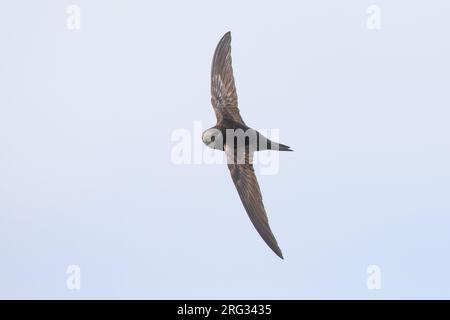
[{"x": 86, "y": 176}]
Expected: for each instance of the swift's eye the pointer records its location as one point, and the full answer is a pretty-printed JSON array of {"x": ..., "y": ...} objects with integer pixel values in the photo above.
[{"x": 213, "y": 138}]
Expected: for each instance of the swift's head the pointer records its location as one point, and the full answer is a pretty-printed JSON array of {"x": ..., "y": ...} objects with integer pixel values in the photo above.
[{"x": 213, "y": 138}]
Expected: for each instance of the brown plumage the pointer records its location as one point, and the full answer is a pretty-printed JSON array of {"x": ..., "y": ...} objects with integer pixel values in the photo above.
[{"x": 225, "y": 103}]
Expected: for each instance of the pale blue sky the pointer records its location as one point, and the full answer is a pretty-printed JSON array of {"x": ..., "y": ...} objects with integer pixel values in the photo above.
[{"x": 86, "y": 176}]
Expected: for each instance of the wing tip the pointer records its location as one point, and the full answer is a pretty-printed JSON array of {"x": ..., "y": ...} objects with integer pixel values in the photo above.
[
  {"x": 226, "y": 37},
  {"x": 278, "y": 253},
  {"x": 224, "y": 45},
  {"x": 283, "y": 147}
]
